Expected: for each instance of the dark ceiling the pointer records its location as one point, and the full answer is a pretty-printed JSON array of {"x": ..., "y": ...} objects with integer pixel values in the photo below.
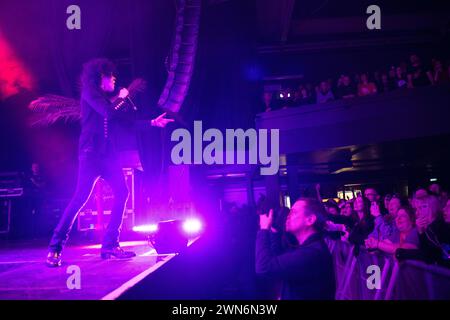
[
  {"x": 290, "y": 21},
  {"x": 348, "y": 8}
]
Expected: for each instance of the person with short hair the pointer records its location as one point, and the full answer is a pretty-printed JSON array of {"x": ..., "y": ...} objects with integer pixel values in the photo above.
[
  {"x": 385, "y": 225},
  {"x": 324, "y": 93},
  {"x": 418, "y": 74},
  {"x": 434, "y": 229},
  {"x": 371, "y": 194},
  {"x": 307, "y": 268},
  {"x": 405, "y": 238},
  {"x": 345, "y": 88}
]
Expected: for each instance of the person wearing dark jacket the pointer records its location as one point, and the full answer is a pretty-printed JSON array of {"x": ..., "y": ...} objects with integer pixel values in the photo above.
[
  {"x": 364, "y": 226},
  {"x": 98, "y": 157},
  {"x": 306, "y": 269},
  {"x": 434, "y": 232}
]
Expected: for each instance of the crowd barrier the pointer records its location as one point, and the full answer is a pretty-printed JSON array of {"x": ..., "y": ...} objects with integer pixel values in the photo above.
[{"x": 406, "y": 280}]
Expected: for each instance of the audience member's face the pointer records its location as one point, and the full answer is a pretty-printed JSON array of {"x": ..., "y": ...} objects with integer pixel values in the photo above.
[
  {"x": 394, "y": 205},
  {"x": 108, "y": 83},
  {"x": 435, "y": 188},
  {"x": 403, "y": 222},
  {"x": 421, "y": 193},
  {"x": 447, "y": 212},
  {"x": 333, "y": 211},
  {"x": 347, "y": 210},
  {"x": 427, "y": 208},
  {"x": 358, "y": 205},
  {"x": 304, "y": 93},
  {"x": 297, "y": 221},
  {"x": 346, "y": 80},
  {"x": 384, "y": 78},
  {"x": 399, "y": 72},
  {"x": 324, "y": 86},
  {"x": 371, "y": 194},
  {"x": 386, "y": 201}
]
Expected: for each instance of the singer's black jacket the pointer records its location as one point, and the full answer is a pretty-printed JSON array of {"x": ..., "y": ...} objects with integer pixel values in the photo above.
[
  {"x": 96, "y": 112},
  {"x": 306, "y": 270}
]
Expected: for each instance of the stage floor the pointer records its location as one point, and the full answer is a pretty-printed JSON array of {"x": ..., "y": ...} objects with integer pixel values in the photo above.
[{"x": 24, "y": 275}]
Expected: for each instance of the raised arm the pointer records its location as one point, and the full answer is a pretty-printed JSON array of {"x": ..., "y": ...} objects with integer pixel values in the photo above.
[{"x": 101, "y": 104}]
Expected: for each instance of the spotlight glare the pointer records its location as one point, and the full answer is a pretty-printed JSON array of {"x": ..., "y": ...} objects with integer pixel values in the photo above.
[
  {"x": 146, "y": 228},
  {"x": 192, "y": 226}
]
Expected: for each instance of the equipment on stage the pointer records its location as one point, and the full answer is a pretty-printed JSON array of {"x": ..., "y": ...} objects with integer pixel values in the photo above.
[
  {"x": 11, "y": 186},
  {"x": 169, "y": 237},
  {"x": 95, "y": 214},
  {"x": 11, "y": 192}
]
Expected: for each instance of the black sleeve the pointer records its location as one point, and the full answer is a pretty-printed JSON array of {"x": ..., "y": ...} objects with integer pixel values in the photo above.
[
  {"x": 428, "y": 249},
  {"x": 275, "y": 242},
  {"x": 361, "y": 231},
  {"x": 294, "y": 264},
  {"x": 429, "y": 243},
  {"x": 142, "y": 124},
  {"x": 101, "y": 104}
]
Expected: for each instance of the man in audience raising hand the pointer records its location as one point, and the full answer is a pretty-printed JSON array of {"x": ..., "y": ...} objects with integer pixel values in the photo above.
[{"x": 306, "y": 268}]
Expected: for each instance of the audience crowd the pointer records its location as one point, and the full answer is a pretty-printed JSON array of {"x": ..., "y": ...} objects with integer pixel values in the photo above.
[
  {"x": 417, "y": 227},
  {"x": 405, "y": 75}
]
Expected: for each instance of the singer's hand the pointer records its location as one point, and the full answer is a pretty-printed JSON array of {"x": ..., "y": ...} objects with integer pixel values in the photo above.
[
  {"x": 161, "y": 121},
  {"x": 123, "y": 93}
]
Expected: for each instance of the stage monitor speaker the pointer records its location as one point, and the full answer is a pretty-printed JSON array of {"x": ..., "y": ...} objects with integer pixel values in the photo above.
[{"x": 170, "y": 237}]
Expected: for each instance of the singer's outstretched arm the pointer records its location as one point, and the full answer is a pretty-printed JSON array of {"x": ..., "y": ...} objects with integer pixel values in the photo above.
[{"x": 159, "y": 122}]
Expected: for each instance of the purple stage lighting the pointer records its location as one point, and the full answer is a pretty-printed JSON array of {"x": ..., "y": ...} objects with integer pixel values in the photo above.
[
  {"x": 146, "y": 228},
  {"x": 192, "y": 226}
]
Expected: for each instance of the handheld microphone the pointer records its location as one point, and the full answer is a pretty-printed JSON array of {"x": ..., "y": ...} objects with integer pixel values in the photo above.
[
  {"x": 131, "y": 102},
  {"x": 128, "y": 99}
]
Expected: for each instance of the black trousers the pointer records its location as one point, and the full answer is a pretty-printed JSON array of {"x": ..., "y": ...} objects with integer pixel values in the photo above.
[{"x": 91, "y": 167}]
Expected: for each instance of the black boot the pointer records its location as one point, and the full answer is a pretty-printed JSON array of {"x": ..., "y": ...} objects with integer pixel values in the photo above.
[
  {"x": 117, "y": 253},
  {"x": 53, "y": 259}
]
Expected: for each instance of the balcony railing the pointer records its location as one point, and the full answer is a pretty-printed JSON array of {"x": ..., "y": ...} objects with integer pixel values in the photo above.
[{"x": 396, "y": 115}]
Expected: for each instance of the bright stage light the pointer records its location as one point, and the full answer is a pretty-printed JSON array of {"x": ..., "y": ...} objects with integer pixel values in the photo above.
[
  {"x": 172, "y": 236},
  {"x": 146, "y": 228},
  {"x": 192, "y": 226}
]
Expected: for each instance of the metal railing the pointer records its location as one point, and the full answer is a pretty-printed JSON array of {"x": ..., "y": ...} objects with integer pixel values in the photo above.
[{"x": 404, "y": 280}]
